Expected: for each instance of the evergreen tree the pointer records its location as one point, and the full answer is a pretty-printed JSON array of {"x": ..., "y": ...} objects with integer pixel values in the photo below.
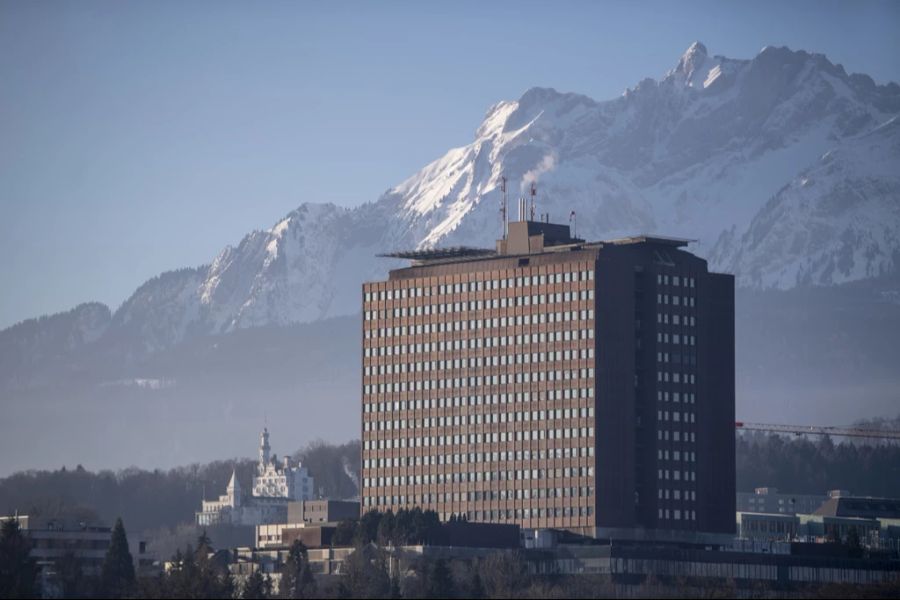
[
  {"x": 365, "y": 574},
  {"x": 72, "y": 580},
  {"x": 395, "y": 588},
  {"x": 117, "y": 575},
  {"x": 386, "y": 529},
  {"x": 208, "y": 580},
  {"x": 18, "y": 571},
  {"x": 255, "y": 587},
  {"x": 344, "y": 533},
  {"x": 440, "y": 582},
  {"x": 367, "y": 530},
  {"x": 297, "y": 580},
  {"x": 476, "y": 588}
]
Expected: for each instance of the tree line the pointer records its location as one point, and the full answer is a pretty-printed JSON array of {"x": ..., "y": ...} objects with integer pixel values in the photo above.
[
  {"x": 156, "y": 499},
  {"x": 148, "y": 500},
  {"x": 802, "y": 465}
]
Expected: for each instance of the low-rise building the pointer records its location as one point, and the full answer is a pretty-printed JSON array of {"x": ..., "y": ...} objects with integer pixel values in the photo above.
[
  {"x": 770, "y": 500},
  {"x": 322, "y": 511},
  {"x": 57, "y": 538}
]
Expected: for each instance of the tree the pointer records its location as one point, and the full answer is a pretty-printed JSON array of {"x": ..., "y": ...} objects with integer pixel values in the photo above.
[
  {"x": 476, "y": 588},
  {"x": 503, "y": 574},
  {"x": 344, "y": 533},
  {"x": 297, "y": 580},
  {"x": 367, "y": 529},
  {"x": 18, "y": 571},
  {"x": 395, "y": 588},
  {"x": 365, "y": 574},
  {"x": 117, "y": 575},
  {"x": 256, "y": 586},
  {"x": 72, "y": 580},
  {"x": 387, "y": 530},
  {"x": 209, "y": 579},
  {"x": 440, "y": 582}
]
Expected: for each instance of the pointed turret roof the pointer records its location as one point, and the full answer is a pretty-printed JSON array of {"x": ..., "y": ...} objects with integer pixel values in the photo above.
[{"x": 233, "y": 484}]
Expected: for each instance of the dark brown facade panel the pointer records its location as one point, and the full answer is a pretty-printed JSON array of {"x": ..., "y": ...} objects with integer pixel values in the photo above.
[{"x": 584, "y": 404}]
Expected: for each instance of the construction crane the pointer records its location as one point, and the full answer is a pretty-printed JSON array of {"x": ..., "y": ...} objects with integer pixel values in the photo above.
[{"x": 886, "y": 434}]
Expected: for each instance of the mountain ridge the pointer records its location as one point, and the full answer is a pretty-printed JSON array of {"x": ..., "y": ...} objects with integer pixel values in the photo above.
[{"x": 707, "y": 152}]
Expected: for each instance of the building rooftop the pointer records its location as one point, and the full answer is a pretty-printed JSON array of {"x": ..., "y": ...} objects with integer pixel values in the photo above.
[
  {"x": 440, "y": 253},
  {"x": 866, "y": 508},
  {"x": 651, "y": 239},
  {"x": 529, "y": 237}
]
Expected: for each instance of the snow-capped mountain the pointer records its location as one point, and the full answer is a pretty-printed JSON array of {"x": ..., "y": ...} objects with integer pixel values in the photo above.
[
  {"x": 833, "y": 223},
  {"x": 783, "y": 168}
]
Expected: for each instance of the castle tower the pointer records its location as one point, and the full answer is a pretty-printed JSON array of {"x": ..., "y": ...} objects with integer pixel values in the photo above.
[
  {"x": 233, "y": 491},
  {"x": 264, "y": 449}
]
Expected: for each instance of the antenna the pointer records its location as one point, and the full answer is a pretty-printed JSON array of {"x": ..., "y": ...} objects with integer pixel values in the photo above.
[
  {"x": 503, "y": 217},
  {"x": 533, "y": 194},
  {"x": 574, "y": 221}
]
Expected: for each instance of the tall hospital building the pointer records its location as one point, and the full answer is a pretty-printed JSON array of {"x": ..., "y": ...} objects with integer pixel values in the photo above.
[{"x": 553, "y": 383}]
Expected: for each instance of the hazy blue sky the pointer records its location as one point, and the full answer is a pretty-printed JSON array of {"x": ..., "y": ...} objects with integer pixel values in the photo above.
[{"x": 137, "y": 137}]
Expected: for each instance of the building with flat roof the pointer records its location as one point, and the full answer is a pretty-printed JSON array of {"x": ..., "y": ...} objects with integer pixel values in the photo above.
[
  {"x": 772, "y": 500},
  {"x": 553, "y": 383},
  {"x": 54, "y": 539}
]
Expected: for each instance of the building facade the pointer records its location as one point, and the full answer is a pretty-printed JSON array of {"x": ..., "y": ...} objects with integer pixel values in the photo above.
[
  {"x": 771, "y": 500},
  {"x": 274, "y": 487},
  {"x": 553, "y": 383}
]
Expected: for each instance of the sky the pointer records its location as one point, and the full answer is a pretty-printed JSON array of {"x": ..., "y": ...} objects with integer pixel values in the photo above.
[{"x": 139, "y": 137}]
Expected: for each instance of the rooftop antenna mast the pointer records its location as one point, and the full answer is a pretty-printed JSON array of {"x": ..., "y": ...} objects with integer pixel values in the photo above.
[
  {"x": 504, "y": 218},
  {"x": 574, "y": 221},
  {"x": 533, "y": 194}
]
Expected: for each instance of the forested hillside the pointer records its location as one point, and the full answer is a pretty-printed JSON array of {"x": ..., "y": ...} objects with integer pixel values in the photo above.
[{"x": 148, "y": 500}]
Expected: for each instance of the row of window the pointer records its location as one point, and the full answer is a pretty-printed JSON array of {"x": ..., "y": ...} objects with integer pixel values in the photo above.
[
  {"x": 431, "y": 403},
  {"x": 447, "y": 308},
  {"x": 676, "y": 455},
  {"x": 676, "y": 280},
  {"x": 390, "y": 462},
  {"x": 479, "y": 419},
  {"x": 500, "y": 495},
  {"x": 676, "y": 475},
  {"x": 688, "y": 397},
  {"x": 480, "y": 438},
  {"x": 676, "y": 514},
  {"x": 415, "y": 291},
  {"x": 489, "y": 495},
  {"x": 493, "y": 516},
  {"x": 675, "y": 338},
  {"x": 463, "y": 382},
  {"x": 483, "y": 380},
  {"x": 501, "y": 360},
  {"x": 478, "y": 477},
  {"x": 677, "y": 358},
  {"x": 676, "y": 377},
  {"x": 498, "y": 360},
  {"x": 675, "y": 300},
  {"x": 472, "y": 343},
  {"x": 677, "y": 494},
  {"x": 686, "y": 320},
  {"x": 675, "y": 416},
  {"x": 677, "y": 436},
  {"x": 446, "y": 326}
]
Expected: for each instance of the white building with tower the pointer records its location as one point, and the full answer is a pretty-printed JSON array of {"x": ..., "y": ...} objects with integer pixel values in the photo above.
[{"x": 273, "y": 487}]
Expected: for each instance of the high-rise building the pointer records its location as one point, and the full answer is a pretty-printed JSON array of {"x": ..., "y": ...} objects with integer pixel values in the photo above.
[{"x": 553, "y": 383}]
